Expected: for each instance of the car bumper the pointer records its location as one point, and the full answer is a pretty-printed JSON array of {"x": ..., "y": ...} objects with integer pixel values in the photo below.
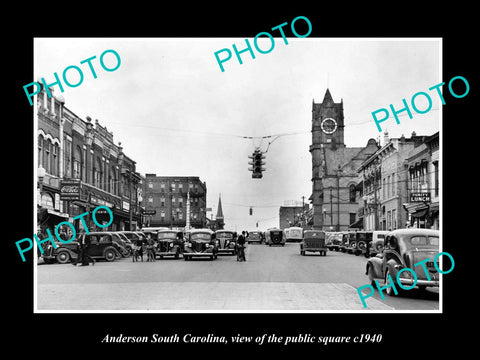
[
  {"x": 433, "y": 283},
  {"x": 314, "y": 248},
  {"x": 166, "y": 253},
  {"x": 226, "y": 251}
]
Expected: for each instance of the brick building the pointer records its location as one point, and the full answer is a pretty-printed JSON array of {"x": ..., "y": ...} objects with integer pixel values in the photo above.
[
  {"x": 165, "y": 200},
  {"x": 80, "y": 168}
]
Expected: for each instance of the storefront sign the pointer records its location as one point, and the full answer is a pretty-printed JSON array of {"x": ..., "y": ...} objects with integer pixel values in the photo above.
[
  {"x": 70, "y": 190},
  {"x": 420, "y": 197}
]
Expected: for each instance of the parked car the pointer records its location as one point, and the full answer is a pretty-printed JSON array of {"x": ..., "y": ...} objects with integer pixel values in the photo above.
[
  {"x": 126, "y": 241},
  {"x": 313, "y": 241},
  {"x": 364, "y": 238},
  {"x": 226, "y": 242},
  {"x": 294, "y": 234},
  {"x": 404, "y": 248},
  {"x": 333, "y": 240},
  {"x": 274, "y": 236},
  {"x": 255, "y": 236},
  {"x": 120, "y": 243},
  {"x": 167, "y": 244},
  {"x": 346, "y": 241},
  {"x": 376, "y": 246},
  {"x": 200, "y": 243},
  {"x": 100, "y": 246}
]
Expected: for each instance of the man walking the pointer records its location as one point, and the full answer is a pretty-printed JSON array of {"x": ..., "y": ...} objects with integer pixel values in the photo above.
[{"x": 241, "y": 247}]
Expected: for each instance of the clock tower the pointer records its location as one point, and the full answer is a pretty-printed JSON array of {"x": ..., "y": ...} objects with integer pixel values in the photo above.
[
  {"x": 327, "y": 140},
  {"x": 328, "y": 123}
]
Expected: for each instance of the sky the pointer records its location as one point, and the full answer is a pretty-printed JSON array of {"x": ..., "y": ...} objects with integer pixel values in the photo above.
[{"x": 176, "y": 113}]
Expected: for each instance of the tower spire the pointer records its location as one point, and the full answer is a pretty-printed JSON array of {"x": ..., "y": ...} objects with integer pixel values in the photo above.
[{"x": 219, "y": 208}]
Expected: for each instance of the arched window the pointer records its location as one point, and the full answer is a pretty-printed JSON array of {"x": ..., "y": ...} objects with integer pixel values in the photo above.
[
  {"x": 112, "y": 180},
  {"x": 40, "y": 150},
  {"x": 97, "y": 173},
  {"x": 77, "y": 163},
  {"x": 352, "y": 193},
  {"x": 46, "y": 156}
]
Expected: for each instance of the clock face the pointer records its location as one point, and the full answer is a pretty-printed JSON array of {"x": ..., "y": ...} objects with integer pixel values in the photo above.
[{"x": 328, "y": 125}]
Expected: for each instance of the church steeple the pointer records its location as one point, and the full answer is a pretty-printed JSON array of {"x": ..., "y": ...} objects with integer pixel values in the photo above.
[
  {"x": 219, "y": 208},
  {"x": 328, "y": 97},
  {"x": 219, "y": 218}
]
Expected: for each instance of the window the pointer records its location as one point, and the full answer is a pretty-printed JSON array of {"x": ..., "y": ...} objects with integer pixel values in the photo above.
[
  {"x": 180, "y": 187},
  {"x": 393, "y": 184},
  {"x": 172, "y": 186},
  {"x": 352, "y": 218},
  {"x": 352, "y": 193},
  {"x": 150, "y": 185},
  {"x": 435, "y": 171},
  {"x": 67, "y": 156},
  {"x": 150, "y": 199},
  {"x": 162, "y": 215},
  {"x": 394, "y": 219},
  {"x": 46, "y": 159},
  {"x": 162, "y": 187},
  {"x": 54, "y": 165},
  {"x": 40, "y": 150},
  {"x": 77, "y": 163},
  {"x": 162, "y": 201},
  {"x": 180, "y": 202}
]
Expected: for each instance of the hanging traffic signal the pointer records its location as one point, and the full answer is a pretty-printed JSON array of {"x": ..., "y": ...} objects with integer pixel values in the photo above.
[{"x": 257, "y": 163}]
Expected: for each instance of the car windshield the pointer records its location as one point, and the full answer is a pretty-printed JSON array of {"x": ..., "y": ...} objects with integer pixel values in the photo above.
[
  {"x": 424, "y": 240},
  {"x": 224, "y": 235},
  {"x": 201, "y": 236},
  {"x": 254, "y": 235},
  {"x": 167, "y": 235}
]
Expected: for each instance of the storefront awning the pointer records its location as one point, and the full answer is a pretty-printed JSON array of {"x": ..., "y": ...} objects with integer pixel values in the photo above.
[
  {"x": 357, "y": 224},
  {"x": 420, "y": 213}
]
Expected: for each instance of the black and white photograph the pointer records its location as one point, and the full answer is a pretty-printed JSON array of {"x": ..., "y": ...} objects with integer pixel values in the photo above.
[
  {"x": 263, "y": 187},
  {"x": 279, "y": 181}
]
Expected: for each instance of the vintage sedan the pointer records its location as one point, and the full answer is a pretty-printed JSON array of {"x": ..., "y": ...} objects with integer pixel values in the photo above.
[
  {"x": 378, "y": 239},
  {"x": 313, "y": 241},
  {"x": 274, "y": 236},
  {"x": 364, "y": 238},
  {"x": 100, "y": 246},
  {"x": 167, "y": 244},
  {"x": 255, "y": 236},
  {"x": 294, "y": 234},
  {"x": 403, "y": 249},
  {"x": 334, "y": 240},
  {"x": 226, "y": 242},
  {"x": 200, "y": 243}
]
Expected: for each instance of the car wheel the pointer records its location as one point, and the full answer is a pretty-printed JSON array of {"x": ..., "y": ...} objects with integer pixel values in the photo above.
[
  {"x": 185, "y": 257},
  {"x": 63, "y": 257},
  {"x": 302, "y": 252},
  {"x": 371, "y": 275},
  {"x": 109, "y": 254},
  {"x": 389, "y": 290}
]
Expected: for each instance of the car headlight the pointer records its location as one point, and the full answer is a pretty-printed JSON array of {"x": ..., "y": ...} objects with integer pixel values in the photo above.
[
  {"x": 208, "y": 245},
  {"x": 171, "y": 244}
]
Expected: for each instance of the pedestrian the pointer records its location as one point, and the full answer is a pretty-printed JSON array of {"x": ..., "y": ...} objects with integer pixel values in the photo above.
[
  {"x": 150, "y": 248},
  {"x": 241, "y": 247},
  {"x": 86, "y": 258}
]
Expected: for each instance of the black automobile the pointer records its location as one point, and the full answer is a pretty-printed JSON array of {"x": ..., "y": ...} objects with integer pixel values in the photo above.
[
  {"x": 200, "y": 243},
  {"x": 255, "y": 236},
  {"x": 226, "y": 242},
  {"x": 167, "y": 244},
  {"x": 100, "y": 245}
]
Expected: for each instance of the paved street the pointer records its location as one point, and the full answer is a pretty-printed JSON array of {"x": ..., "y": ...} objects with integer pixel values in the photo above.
[{"x": 272, "y": 279}]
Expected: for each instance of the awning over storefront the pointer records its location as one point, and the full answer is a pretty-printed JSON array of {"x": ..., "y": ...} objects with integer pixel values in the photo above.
[
  {"x": 357, "y": 224},
  {"x": 420, "y": 213}
]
